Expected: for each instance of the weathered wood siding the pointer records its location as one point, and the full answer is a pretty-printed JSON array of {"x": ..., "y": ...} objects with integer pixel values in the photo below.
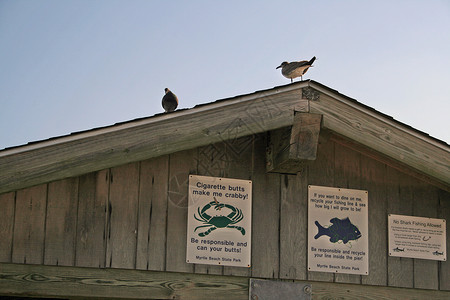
[{"x": 134, "y": 216}]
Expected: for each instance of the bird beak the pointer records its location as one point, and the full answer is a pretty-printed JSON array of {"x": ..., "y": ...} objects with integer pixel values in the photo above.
[{"x": 278, "y": 67}]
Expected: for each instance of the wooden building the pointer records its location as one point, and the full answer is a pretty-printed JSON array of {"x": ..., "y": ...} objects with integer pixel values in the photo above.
[{"x": 102, "y": 213}]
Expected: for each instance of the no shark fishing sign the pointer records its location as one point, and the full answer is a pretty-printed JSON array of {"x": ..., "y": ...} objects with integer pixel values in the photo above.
[
  {"x": 338, "y": 239},
  {"x": 219, "y": 221}
]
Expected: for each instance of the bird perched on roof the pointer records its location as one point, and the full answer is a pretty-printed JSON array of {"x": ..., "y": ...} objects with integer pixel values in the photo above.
[
  {"x": 169, "y": 101},
  {"x": 296, "y": 68}
]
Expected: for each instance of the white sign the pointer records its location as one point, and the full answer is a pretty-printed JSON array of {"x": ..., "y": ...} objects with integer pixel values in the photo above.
[
  {"x": 417, "y": 237},
  {"x": 338, "y": 238},
  {"x": 219, "y": 221}
]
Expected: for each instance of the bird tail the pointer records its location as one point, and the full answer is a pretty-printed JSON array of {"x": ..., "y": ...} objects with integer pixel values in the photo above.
[{"x": 312, "y": 60}]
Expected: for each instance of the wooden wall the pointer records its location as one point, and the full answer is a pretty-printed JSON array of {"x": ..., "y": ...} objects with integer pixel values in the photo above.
[{"x": 134, "y": 216}]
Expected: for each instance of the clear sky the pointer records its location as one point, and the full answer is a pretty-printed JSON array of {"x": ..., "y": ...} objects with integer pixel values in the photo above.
[{"x": 74, "y": 65}]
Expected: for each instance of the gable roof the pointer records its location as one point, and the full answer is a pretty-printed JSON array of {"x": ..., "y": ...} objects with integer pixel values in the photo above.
[{"x": 230, "y": 118}]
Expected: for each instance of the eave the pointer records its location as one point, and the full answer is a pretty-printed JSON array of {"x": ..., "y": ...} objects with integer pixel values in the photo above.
[{"x": 226, "y": 119}]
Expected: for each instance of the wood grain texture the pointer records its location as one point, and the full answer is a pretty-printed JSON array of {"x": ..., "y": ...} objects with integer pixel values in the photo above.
[
  {"x": 383, "y": 135},
  {"x": 91, "y": 222},
  {"x": 321, "y": 172},
  {"x": 290, "y": 147},
  {"x": 29, "y": 225},
  {"x": 373, "y": 154},
  {"x": 143, "y": 139},
  {"x": 49, "y": 282},
  {"x": 373, "y": 179},
  {"x": 328, "y": 291},
  {"x": 240, "y": 165},
  {"x": 399, "y": 196},
  {"x": 444, "y": 213},
  {"x": 7, "y": 204},
  {"x": 245, "y": 115},
  {"x": 61, "y": 222},
  {"x": 265, "y": 218},
  {"x": 294, "y": 226},
  {"x": 212, "y": 161},
  {"x": 425, "y": 204},
  {"x": 151, "y": 240},
  {"x": 181, "y": 164},
  {"x": 347, "y": 174},
  {"x": 122, "y": 210},
  {"x": 305, "y": 135},
  {"x": 144, "y": 226}
]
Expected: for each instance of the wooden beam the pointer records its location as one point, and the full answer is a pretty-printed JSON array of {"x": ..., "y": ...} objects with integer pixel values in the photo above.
[
  {"x": 325, "y": 290},
  {"x": 73, "y": 282},
  {"x": 50, "y": 281},
  {"x": 290, "y": 147},
  {"x": 259, "y": 112},
  {"x": 151, "y": 137},
  {"x": 384, "y": 135},
  {"x": 369, "y": 152}
]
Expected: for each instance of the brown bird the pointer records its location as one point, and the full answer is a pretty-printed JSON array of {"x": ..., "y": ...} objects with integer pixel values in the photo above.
[
  {"x": 296, "y": 68},
  {"x": 169, "y": 101}
]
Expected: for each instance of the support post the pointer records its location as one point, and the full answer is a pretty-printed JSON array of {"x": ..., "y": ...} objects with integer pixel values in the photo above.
[{"x": 290, "y": 147}]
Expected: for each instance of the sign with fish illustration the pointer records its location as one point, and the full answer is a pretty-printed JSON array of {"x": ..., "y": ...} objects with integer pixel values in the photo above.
[
  {"x": 341, "y": 230},
  {"x": 338, "y": 230},
  {"x": 219, "y": 221},
  {"x": 417, "y": 237}
]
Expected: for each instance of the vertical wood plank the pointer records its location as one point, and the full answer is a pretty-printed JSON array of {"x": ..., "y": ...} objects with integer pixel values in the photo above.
[
  {"x": 123, "y": 207},
  {"x": 444, "y": 266},
  {"x": 347, "y": 172},
  {"x": 426, "y": 202},
  {"x": 294, "y": 226},
  {"x": 91, "y": 223},
  {"x": 239, "y": 165},
  {"x": 151, "y": 239},
  {"x": 373, "y": 179},
  {"x": 265, "y": 219},
  {"x": 399, "y": 199},
  {"x": 7, "y": 204},
  {"x": 61, "y": 222},
  {"x": 347, "y": 175},
  {"x": 181, "y": 164},
  {"x": 212, "y": 161},
  {"x": 321, "y": 172},
  {"x": 29, "y": 225},
  {"x": 239, "y": 162}
]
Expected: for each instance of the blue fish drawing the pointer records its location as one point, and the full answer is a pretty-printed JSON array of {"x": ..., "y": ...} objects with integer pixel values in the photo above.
[{"x": 340, "y": 230}]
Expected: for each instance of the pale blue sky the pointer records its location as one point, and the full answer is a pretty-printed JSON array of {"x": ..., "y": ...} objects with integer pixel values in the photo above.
[{"x": 68, "y": 66}]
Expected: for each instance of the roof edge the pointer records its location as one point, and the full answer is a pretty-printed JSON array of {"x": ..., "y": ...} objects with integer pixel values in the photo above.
[
  {"x": 161, "y": 117},
  {"x": 379, "y": 115}
]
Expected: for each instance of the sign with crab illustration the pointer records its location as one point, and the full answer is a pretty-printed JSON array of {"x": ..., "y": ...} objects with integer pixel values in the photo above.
[{"x": 219, "y": 221}]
